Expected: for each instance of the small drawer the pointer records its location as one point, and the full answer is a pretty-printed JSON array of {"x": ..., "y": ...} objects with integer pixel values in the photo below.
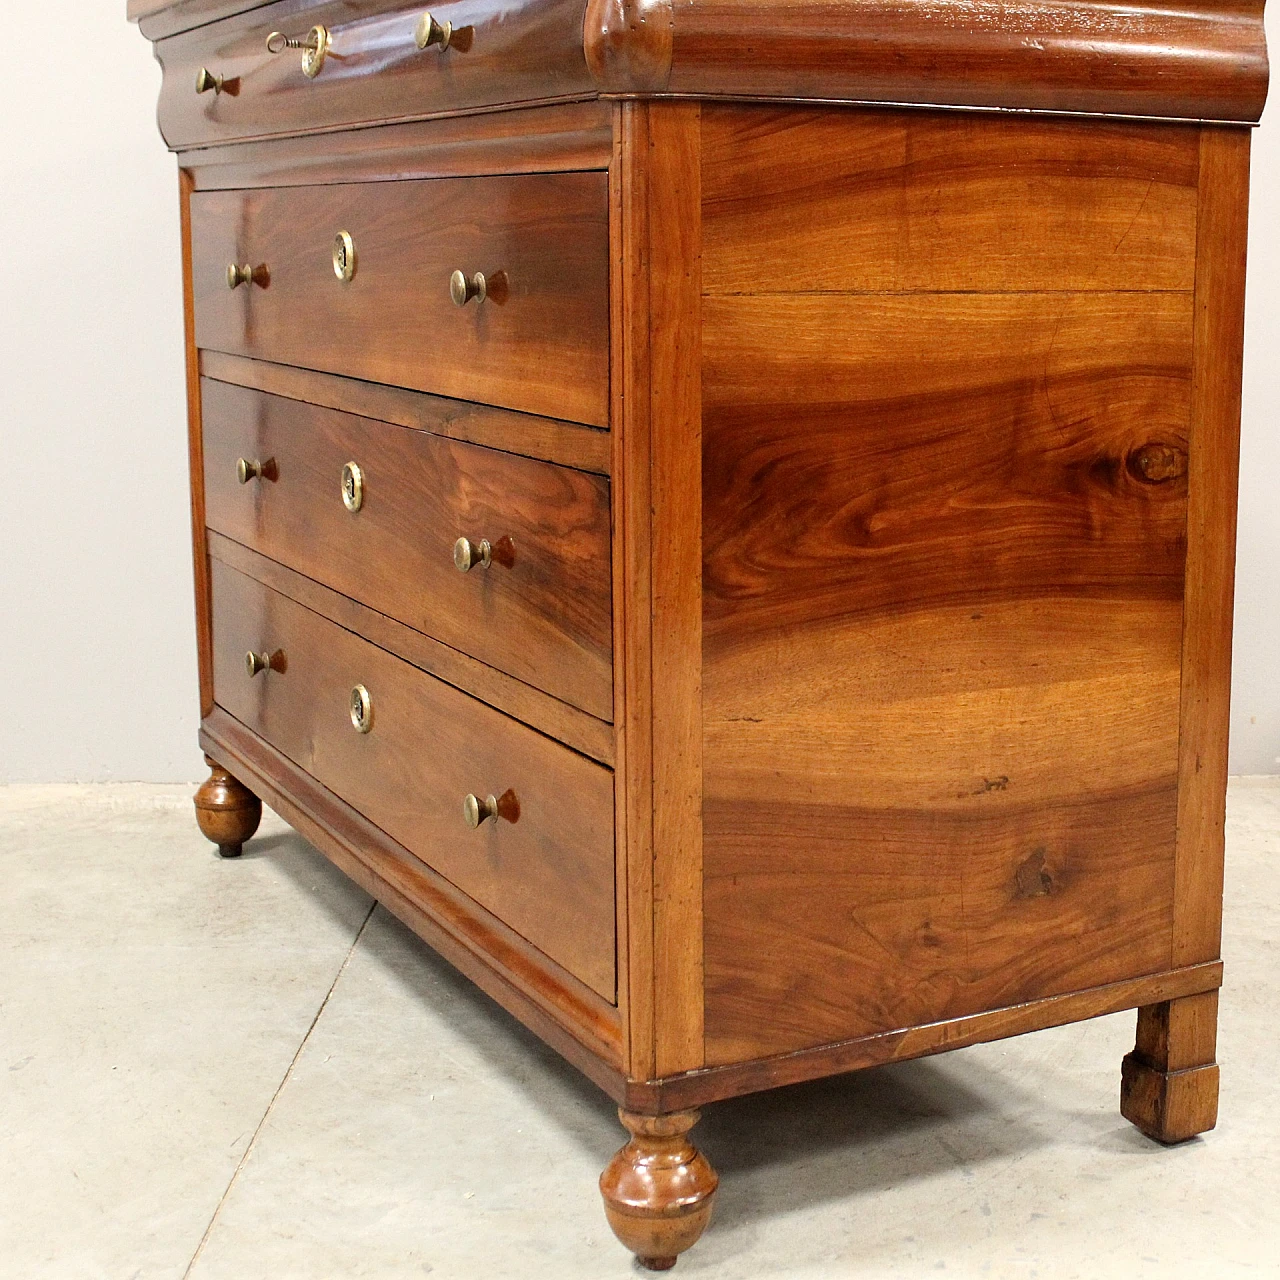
[
  {"x": 221, "y": 83},
  {"x": 377, "y": 511},
  {"x": 407, "y": 751},
  {"x": 359, "y": 279}
]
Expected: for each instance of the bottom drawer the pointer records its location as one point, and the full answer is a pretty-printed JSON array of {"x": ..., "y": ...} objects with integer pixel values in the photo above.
[{"x": 405, "y": 750}]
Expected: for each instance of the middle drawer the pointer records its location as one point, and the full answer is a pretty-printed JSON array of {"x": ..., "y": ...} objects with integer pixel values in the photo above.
[
  {"x": 376, "y": 512},
  {"x": 357, "y": 279}
]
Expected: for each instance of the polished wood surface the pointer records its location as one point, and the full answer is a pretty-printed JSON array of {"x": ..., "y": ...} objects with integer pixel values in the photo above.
[
  {"x": 1184, "y": 59},
  {"x": 520, "y": 51},
  {"x": 569, "y": 1016},
  {"x": 715, "y": 1083},
  {"x": 538, "y": 343},
  {"x": 1169, "y": 1083},
  {"x": 551, "y": 440},
  {"x": 540, "y": 611},
  {"x": 970, "y": 800},
  {"x": 882, "y": 466},
  {"x": 1211, "y": 544},
  {"x": 544, "y": 867},
  {"x": 227, "y": 812},
  {"x": 564, "y": 137},
  {"x": 584, "y": 733},
  {"x": 659, "y": 1190},
  {"x": 1053, "y": 205}
]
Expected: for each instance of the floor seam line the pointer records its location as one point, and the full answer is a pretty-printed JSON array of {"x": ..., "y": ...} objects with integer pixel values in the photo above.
[{"x": 279, "y": 1089}]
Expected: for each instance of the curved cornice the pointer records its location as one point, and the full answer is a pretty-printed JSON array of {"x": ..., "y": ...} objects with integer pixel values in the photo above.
[{"x": 1179, "y": 59}]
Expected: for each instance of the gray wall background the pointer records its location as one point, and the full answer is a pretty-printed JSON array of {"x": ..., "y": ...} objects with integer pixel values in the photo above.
[{"x": 97, "y": 641}]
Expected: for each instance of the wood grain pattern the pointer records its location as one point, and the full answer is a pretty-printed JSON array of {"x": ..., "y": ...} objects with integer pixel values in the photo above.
[
  {"x": 1211, "y": 544},
  {"x": 675, "y": 336},
  {"x": 566, "y": 443},
  {"x": 1198, "y": 60},
  {"x": 1169, "y": 1083},
  {"x": 540, "y": 612},
  {"x": 633, "y": 615},
  {"x": 715, "y": 1083},
  {"x": 836, "y": 201},
  {"x": 942, "y": 634},
  {"x": 195, "y": 454},
  {"x": 550, "y": 139},
  {"x": 526, "y": 51},
  {"x": 545, "y": 867},
  {"x": 539, "y": 343},
  {"x": 584, "y": 733},
  {"x": 569, "y": 1016}
]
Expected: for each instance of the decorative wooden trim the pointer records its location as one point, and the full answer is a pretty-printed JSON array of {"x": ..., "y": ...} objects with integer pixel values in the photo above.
[
  {"x": 1178, "y": 59},
  {"x": 628, "y": 43},
  {"x": 540, "y": 711},
  {"x": 632, "y": 644},
  {"x": 548, "y": 139},
  {"x": 714, "y": 1084},
  {"x": 675, "y": 353},
  {"x": 568, "y": 443},
  {"x": 195, "y": 457},
  {"x": 570, "y": 1017},
  {"x": 1222, "y": 231},
  {"x": 159, "y": 18}
]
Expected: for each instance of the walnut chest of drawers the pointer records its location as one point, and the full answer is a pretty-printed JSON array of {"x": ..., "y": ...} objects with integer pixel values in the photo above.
[{"x": 720, "y": 514}]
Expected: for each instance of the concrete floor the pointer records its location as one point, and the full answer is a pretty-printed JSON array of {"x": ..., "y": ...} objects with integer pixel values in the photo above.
[{"x": 227, "y": 1071}]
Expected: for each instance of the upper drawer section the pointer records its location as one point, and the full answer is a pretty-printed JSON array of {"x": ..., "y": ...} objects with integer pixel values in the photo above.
[
  {"x": 373, "y": 70},
  {"x": 538, "y": 341}
]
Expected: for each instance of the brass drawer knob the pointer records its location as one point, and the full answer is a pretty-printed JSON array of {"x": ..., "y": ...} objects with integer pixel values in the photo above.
[
  {"x": 468, "y": 554},
  {"x": 361, "y": 708},
  {"x": 476, "y": 810},
  {"x": 264, "y": 661},
  {"x": 352, "y": 486},
  {"x": 344, "y": 257},
  {"x": 431, "y": 32},
  {"x": 206, "y": 81},
  {"x": 315, "y": 48},
  {"x": 238, "y": 275},
  {"x": 248, "y": 469},
  {"x": 462, "y": 288}
]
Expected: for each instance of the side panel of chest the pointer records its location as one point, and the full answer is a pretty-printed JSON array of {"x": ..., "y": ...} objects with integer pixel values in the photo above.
[{"x": 947, "y": 389}]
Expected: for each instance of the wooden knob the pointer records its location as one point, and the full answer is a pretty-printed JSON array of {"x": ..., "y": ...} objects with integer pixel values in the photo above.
[
  {"x": 247, "y": 274},
  {"x": 476, "y": 811},
  {"x": 468, "y": 554},
  {"x": 462, "y": 288},
  {"x": 264, "y": 661},
  {"x": 431, "y": 32},
  {"x": 207, "y": 81}
]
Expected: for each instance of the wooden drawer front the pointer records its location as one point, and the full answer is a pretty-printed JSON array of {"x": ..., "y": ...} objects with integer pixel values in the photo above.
[
  {"x": 539, "y": 341},
  {"x": 540, "y": 611},
  {"x": 545, "y": 868},
  {"x": 522, "y": 52}
]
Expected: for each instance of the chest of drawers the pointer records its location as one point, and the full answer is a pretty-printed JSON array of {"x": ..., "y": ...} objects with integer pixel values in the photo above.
[{"x": 721, "y": 516}]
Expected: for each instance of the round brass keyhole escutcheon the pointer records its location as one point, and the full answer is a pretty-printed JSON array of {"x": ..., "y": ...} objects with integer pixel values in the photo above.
[
  {"x": 352, "y": 486},
  {"x": 315, "y": 48},
  {"x": 361, "y": 709},
  {"x": 344, "y": 256}
]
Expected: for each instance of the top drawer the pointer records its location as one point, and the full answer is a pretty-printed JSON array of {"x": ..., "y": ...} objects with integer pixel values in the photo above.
[{"x": 373, "y": 70}]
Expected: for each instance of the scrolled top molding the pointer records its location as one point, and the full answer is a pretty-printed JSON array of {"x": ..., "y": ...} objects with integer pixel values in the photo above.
[{"x": 1171, "y": 59}]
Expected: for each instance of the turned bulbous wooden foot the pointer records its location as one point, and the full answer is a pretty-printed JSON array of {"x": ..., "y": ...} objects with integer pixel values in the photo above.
[
  {"x": 1169, "y": 1083},
  {"x": 659, "y": 1189},
  {"x": 227, "y": 811}
]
